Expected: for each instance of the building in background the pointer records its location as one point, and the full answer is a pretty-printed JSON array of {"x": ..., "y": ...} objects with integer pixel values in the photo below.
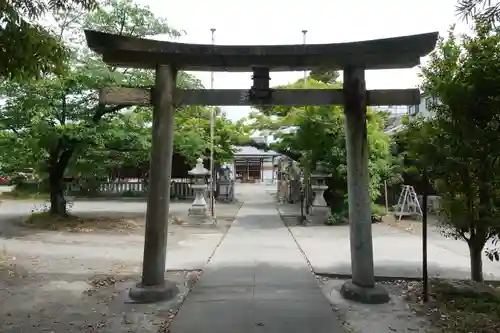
[
  {"x": 396, "y": 114},
  {"x": 412, "y": 111},
  {"x": 422, "y": 109},
  {"x": 252, "y": 165},
  {"x": 395, "y": 110}
]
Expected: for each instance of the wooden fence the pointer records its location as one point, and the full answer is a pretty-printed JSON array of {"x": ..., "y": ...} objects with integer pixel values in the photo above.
[
  {"x": 393, "y": 194},
  {"x": 180, "y": 189}
]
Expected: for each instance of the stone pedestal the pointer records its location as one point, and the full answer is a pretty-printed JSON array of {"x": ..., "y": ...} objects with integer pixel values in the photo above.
[
  {"x": 319, "y": 211},
  {"x": 198, "y": 212},
  {"x": 199, "y": 205}
]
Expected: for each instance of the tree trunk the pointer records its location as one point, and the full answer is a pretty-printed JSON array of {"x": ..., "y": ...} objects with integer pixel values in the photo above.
[
  {"x": 58, "y": 164},
  {"x": 57, "y": 200},
  {"x": 476, "y": 260}
]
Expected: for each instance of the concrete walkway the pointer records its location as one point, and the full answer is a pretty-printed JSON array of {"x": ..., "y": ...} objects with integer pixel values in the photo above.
[{"x": 257, "y": 281}]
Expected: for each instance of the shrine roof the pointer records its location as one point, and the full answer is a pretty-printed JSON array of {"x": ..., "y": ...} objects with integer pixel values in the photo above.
[
  {"x": 249, "y": 151},
  {"x": 388, "y": 53}
]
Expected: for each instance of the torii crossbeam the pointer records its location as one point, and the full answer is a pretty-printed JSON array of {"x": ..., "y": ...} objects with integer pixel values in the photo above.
[{"x": 167, "y": 58}]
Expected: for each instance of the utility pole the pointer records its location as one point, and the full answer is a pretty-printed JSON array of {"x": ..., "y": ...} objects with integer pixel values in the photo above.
[
  {"x": 304, "y": 33},
  {"x": 212, "y": 135},
  {"x": 425, "y": 273},
  {"x": 306, "y": 170}
]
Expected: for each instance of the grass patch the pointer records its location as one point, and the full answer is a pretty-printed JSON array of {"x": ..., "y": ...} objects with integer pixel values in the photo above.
[
  {"x": 461, "y": 306},
  {"x": 378, "y": 209},
  {"x": 73, "y": 223}
]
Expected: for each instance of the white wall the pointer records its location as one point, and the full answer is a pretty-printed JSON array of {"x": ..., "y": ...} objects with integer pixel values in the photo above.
[
  {"x": 267, "y": 174},
  {"x": 422, "y": 109}
]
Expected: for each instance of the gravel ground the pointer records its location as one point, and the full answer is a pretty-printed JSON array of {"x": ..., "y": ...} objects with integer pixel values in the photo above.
[
  {"x": 47, "y": 302},
  {"x": 53, "y": 291},
  {"x": 396, "y": 316}
]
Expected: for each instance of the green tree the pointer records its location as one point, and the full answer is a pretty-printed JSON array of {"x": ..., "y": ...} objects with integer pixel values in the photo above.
[
  {"x": 314, "y": 135},
  {"x": 486, "y": 11},
  {"x": 123, "y": 141},
  {"x": 460, "y": 145},
  {"x": 56, "y": 124},
  {"x": 57, "y": 118},
  {"x": 324, "y": 75},
  {"x": 192, "y": 134},
  {"x": 28, "y": 48}
]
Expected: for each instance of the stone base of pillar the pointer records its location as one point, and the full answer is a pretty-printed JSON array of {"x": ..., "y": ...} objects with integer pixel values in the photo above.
[
  {"x": 375, "y": 295},
  {"x": 197, "y": 220},
  {"x": 318, "y": 215},
  {"x": 152, "y": 294}
]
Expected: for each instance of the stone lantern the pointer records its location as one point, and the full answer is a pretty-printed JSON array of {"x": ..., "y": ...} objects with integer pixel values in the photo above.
[
  {"x": 319, "y": 212},
  {"x": 199, "y": 206}
]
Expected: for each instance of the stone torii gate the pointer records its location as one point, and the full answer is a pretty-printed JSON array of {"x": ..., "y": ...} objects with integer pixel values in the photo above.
[{"x": 167, "y": 58}]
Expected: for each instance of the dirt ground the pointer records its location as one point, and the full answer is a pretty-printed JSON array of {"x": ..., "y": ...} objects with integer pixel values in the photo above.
[
  {"x": 61, "y": 302},
  {"x": 406, "y": 224},
  {"x": 395, "y": 316},
  {"x": 413, "y": 225},
  {"x": 51, "y": 290}
]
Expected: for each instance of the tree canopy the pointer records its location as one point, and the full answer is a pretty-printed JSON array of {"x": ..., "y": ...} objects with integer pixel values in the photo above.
[
  {"x": 313, "y": 135},
  {"x": 30, "y": 49},
  {"x": 56, "y": 125},
  {"x": 485, "y": 11},
  {"x": 324, "y": 75},
  {"x": 459, "y": 146}
]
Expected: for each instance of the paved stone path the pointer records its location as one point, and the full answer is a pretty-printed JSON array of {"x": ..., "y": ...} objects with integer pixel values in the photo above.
[{"x": 257, "y": 281}]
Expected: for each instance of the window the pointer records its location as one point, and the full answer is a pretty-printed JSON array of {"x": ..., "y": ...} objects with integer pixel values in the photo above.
[
  {"x": 431, "y": 102},
  {"x": 413, "y": 110}
]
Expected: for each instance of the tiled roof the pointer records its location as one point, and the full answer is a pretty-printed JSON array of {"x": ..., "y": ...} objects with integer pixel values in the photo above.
[{"x": 252, "y": 151}]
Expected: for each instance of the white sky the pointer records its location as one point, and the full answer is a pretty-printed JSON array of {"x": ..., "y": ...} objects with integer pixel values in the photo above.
[{"x": 327, "y": 21}]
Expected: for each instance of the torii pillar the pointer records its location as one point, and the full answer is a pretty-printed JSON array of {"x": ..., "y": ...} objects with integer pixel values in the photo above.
[
  {"x": 362, "y": 287},
  {"x": 153, "y": 286}
]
